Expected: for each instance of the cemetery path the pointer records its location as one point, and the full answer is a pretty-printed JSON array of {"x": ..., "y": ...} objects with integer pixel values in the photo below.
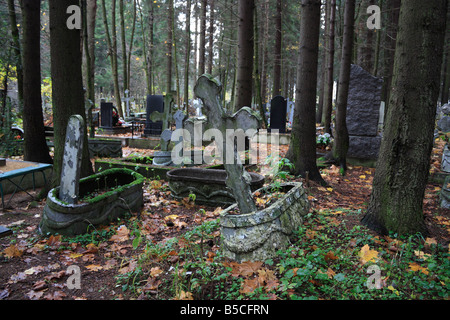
[{"x": 35, "y": 267}]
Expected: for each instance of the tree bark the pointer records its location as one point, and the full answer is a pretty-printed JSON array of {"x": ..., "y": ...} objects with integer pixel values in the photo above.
[
  {"x": 341, "y": 138},
  {"x": 244, "y": 80},
  {"x": 277, "y": 55},
  {"x": 187, "y": 58},
  {"x": 329, "y": 80},
  {"x": 403, "y": 166},
  {"x": 124, "y": 45},
  {"x": 17, "y": 50},
  {"x": 36, "y": 148},
  {"x": 302, "y": 149},
  {"x": 112, "y": 48},
  {"x": 211, "y": 37},
  {"x": 202, "y": 54},
  {"x": 67, "y": 83},
  {"x": 169, "y": 47}
]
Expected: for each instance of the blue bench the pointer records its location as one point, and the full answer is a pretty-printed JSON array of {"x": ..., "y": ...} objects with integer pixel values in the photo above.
[{"x": 8, "y": 176}]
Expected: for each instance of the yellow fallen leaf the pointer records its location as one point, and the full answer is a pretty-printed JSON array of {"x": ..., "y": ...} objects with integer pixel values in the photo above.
[
  {"x": 94, "y": 267},
  {"x": 362, "y": 177},
  {"x": 171, "y": 217},
  {"x": 156, "y": 271},
  {"x": 415, "y": 267},
  {"x": 330, "y": 189},
  {"x": 12, "y": 251},
  {"x": 367, "y": 255},
  {"x": 75, "y": 255},
  {"x": 393, "y": 290},
  {"x": 430, "y": 242}
]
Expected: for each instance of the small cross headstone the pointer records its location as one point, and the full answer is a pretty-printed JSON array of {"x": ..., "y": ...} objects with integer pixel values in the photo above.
[
  {"x": 278, "y": 112},
  {"x": 238, "y": 179},
  {"x": 71, "y": 165}
]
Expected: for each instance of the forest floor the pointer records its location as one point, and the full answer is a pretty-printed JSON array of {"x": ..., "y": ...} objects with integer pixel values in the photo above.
[{"x": 172, "y": 251}]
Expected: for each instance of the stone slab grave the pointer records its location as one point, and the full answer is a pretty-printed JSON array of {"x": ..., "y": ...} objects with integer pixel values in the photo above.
[
  {"x": 278, "y": 113},
  {"x": 4, "y": 232},
  {"x": 71, "y": 165},
  {"x": 106, "y": 112},
  {"x": 363, "y": 113}
]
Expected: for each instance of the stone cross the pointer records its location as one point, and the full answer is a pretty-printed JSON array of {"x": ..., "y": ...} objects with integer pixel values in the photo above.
[
  {"x": 127, "y": 102},
  {"x": 238, "y": 179},
  {"x": 71, "y": 165}
]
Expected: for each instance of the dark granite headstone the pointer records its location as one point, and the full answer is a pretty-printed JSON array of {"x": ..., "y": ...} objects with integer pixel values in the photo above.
[
  {"x": 363, "y": 114},
  {"x": 154, "y": 103},
  {"x": 278, "y": 112},
  {"x": 364, "y": 100},
  {"x": 106, "y": 110}
]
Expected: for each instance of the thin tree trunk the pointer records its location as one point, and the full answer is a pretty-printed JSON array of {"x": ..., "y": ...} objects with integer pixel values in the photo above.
[
  {"x": 36, "y": 148},
  {"x": 202, "y": 54},
  {"x": 17, "y": 51},
  {"x": 341, "y": 138},
  {"x": 323, "y": 73},
  {"x": 302, "y": 149},
  {"x": 130, "y": 50},
  {"x": 151, "y": 21},
  {"x": 329, "y": 80},
  {"x": 169, "y": 47},
  {"x": 244, "y": 81},
  {"x": 187, "y": 58},
  {"x": 112, "y": 48},
  {"x": 277, "y": 57},
  {"x": 257, "y": 76},
  {"x": 211, "y": 37},
  {"x": 402, "y": 172},
  {"x": 91, "y": 18},
  {"x": 124, "y": 45}
]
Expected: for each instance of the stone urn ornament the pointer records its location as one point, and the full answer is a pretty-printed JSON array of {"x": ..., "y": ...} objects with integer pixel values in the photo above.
[{"x": 251, "y": 235}]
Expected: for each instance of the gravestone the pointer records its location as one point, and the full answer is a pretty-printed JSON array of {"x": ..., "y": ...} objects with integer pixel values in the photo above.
[
  {"x": 445, "y": 165},
  {"x": 444, "y": 124},
  {"x": 154, "y": 103},
  {"x": 71, "y": 165},
  {"x": 278, "y": 112},
  {"x": 238, "y": 179},
  {"x": 4, "y": 232},
  {"x": 106, "y": 111},
  {"x": 363, "y": 114}
]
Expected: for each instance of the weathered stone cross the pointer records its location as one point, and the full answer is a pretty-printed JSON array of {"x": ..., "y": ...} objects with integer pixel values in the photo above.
[
  {"x": 245, "y": 119},
  {"x": 71, "y": 165}
]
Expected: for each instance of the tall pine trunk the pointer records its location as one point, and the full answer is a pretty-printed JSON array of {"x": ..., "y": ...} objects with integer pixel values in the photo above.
[
  {"x": 403, "y": 166},
  {"x": 67, "y": 83},
  {"x": 341, "y": 139},
  {"x": 36, "y": 148},
  {"x": 302, "y": 149},
  {"x": 244, "y": 80},
  {"x": 17, "y": 50},
  {"x": 329, "y": 81},
  {"x": 277, "y": 57},
  {"x": 202, "y": 54}
]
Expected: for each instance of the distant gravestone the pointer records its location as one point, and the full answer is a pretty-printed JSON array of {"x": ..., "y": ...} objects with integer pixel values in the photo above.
[
  {"x": 106, "y": 111},
  {"x": 71, "y": 165},
  {"x": 363, "y": 114},
  {"x": 364, "y": 100},
  {"x": 444, "y": 124},
  {"x": 445, "y": 164},
  {"x": 278, "y": 112},
  {"x": 155, "y": 103}
]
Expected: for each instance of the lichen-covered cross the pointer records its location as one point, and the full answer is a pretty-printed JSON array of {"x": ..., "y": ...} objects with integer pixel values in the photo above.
[{"x": 238, "y": 180}]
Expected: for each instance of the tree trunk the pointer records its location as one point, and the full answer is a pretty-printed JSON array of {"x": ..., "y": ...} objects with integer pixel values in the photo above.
[
  {"x": 211, "y": 37},
  {"x": 17, "y": 51},
  {"x": 390, "y": 44},
  {"x": 91, "y": 18},
  {"x": 112, "y": 48},
  {"x": 201, "y": 58},
  {"x": 187, "y": 58},
  {"x": 130, "y": 50},
  {"x": 302, "y": 149},
  {"x": 151, "y": 19},
  {"x": 324, "y": 66},
  {"x": 341, "y": 139},
  {"x": 67, "y": 83},
  {"x": 329, "y": 80},
  {"x": 277, "y": 55},
  {"x": 403, "y": 166},
  {"x": 36, "y": 148},
  {"x": 124, "y": 45},
  {"x": 244, "y": 80},
  {"x": 169, "y": 47}
]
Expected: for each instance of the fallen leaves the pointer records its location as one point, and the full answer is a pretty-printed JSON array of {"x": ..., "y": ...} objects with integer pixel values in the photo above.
[{"x": 367, "y": 255}]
